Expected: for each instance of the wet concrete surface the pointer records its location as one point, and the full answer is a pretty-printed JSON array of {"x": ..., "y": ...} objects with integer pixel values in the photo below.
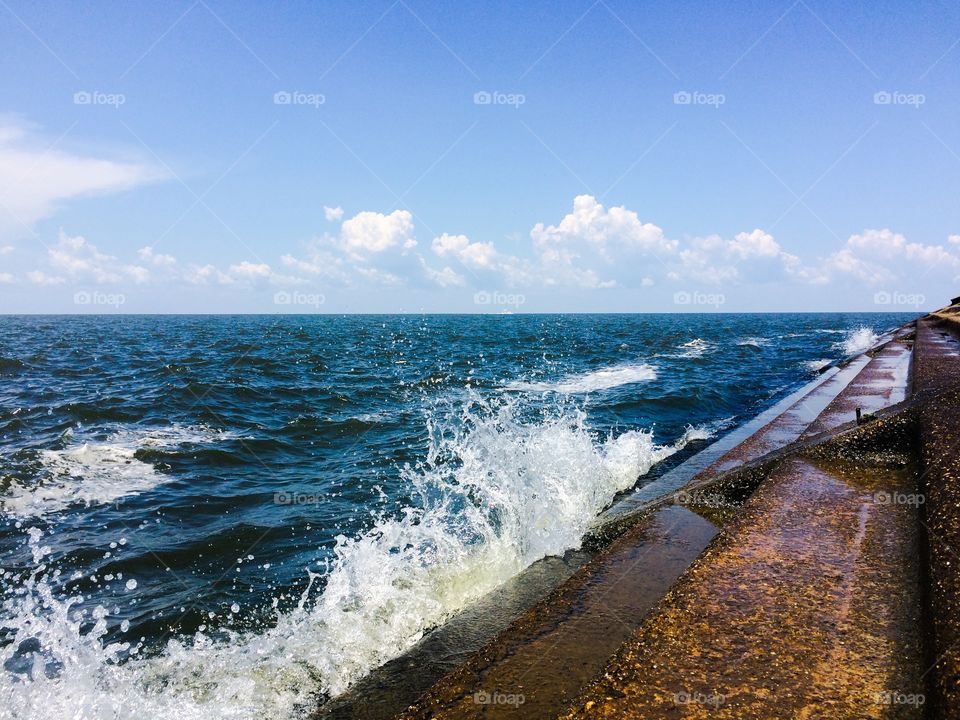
[
  {"x": 882, "y": 383},
  {"x": 538, "y": 666},
  {"x": 808, "y": 606}
]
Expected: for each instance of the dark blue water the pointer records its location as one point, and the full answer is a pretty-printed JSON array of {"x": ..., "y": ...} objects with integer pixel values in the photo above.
[{"x": 208, "y": 516}]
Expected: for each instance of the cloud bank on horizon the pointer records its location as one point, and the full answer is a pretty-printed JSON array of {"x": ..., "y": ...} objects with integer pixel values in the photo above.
[{"x": 591, "y": 248}]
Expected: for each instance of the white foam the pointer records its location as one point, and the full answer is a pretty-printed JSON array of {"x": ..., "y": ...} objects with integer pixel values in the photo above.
[
  {"x": 592, "y": 381},
  {"x": 694, "y": 349},
  {"x": 857, "y": 341},
  {"x": 753, "y": 341},
  {"x": 493, "y": 495},
  {"x": 817, "y": 365},
  {"x": 98, "y": 472}
]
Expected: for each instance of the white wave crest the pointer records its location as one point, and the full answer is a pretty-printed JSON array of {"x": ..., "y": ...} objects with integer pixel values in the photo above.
[
  {"x": 493, "y": 495},
  {"x": 754, "y": 342},
  {"x": 694, "y": 349},
  {"x": 816, "y": 365},
  {"x": 592, "y": 381},
  {"x": 98, "y": 472}
]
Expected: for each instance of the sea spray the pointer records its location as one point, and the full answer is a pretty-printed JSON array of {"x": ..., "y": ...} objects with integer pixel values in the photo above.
[
  {"x": 495, "y": 492},
  {"x": 857, "y": 341}
]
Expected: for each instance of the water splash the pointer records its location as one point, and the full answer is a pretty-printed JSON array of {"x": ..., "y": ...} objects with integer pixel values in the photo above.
[
  {"x": 495, "y": 493},
  {"x": 857, "y": 341}
]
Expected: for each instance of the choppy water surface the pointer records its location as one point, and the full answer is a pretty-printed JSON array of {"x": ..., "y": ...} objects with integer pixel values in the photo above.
[{"x": 208, "y": 517}]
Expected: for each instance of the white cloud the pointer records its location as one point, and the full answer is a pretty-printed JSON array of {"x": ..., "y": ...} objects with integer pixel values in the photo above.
[
  {"x": 82, "y": 260},
  {"x": 754, "y": 255},
  {"x": 332, "y": 214},
  {"x": 371, "y": 232},
  {"x": 954, "y": 239},
  {"x": 447, "y": 277},
  {"x": 6, "y": 249},
  {"x": 878, "y": 256},
  {"x": 36, "y": 177},
  {"x": 38, "y": 277},
  {"x": 756, "y": 244},
  {"x": 148, "y": 255},
  {"x": 472, "y": 254},
  {"x": 604, "y": 231},
  {"x": 6, "y": 278}
]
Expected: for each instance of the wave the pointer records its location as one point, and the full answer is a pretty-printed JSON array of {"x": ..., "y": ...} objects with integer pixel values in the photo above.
[
  {"x": 754, "y": 342},
  {"x": 817, "y": 365},
  {"x": 98, "y": 472},
  {"x": 493, "y": 495},
  {"x": 857, "y": 341},
  {"x": 694, "y": 349},
  {"x": 592, "y": 381}
]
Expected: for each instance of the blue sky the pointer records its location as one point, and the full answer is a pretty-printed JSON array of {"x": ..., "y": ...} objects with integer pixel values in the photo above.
[{"x": 437, "y": 156}]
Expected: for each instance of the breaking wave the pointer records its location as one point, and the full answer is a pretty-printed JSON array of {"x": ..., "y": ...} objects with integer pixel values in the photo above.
[
  {"x": 494, "y": 494},
  {"x": 592, "y": 381}
]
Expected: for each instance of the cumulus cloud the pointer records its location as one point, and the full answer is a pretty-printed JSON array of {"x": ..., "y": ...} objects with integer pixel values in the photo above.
[
  {"x": 603, "y": 230},
  {"x": 756, "y": 253},
  {"x": 878, "y": 256},
  {"x": 81, "y": 260},
  {"x": 472, "y": 254},
  {"x": 332, "y": 214},
  {"x": 147, "y": 255},
  {"x": 372, "y": 232},
  {"x": 35, "y": 177}
]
